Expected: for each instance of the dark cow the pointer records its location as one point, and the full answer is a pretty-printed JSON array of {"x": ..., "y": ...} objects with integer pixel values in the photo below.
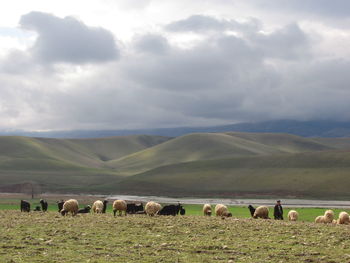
[
  {"x": 105, "y": 202},
  {"x": 84, "y": 210},
  {"x": 170, "y": 210},
  {"x": 44, "y": 205},
  {"x": 134, "y": 208},
  {"x": 252, "y": 210},
  {"x": 25, "y": 206},
  {"x": 60, "y": 205}
]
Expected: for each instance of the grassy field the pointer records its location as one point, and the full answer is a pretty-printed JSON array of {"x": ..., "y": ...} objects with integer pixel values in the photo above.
[
  {"x": 305, "y": 214},
  {"x": 49, "y": 237}
]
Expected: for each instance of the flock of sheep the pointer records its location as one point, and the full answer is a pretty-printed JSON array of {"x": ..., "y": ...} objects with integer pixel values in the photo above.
[{"x": 153, "y": 208}]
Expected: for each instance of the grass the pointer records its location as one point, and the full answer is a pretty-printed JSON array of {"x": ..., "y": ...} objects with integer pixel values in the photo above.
[
  {"x": 49, "y": 237},
  {"x": 305, "y": 214}
]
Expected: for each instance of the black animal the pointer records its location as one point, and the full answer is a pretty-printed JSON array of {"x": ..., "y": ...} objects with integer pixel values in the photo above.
[
  {"x": 170, "y": 210},
  {"x": 105, "y": 202},
  {"x": 252, "y": 210},
  {"x": 134, "y": 208},
  {"x": 25, "y": 206},
  {"x": 44, "y": 205},
  {"x": 182, "y": 211},
  {"x": 60, "y": 205},
  {"x": 84, "y": 210},
  {"x": 37, "y": 208}
]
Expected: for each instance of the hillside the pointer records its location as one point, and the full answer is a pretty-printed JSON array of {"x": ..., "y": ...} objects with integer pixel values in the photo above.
[
  {"x": 222, "y": 164},
  {"x": 309, "y": 174},
  {"x": 208, "y": 146}
]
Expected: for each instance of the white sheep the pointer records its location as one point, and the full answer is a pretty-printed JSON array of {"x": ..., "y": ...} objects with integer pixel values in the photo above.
[
  {"x": 152, "y": 208},
  {"x": 119, "y": 205},
  {"x": 222, "y": 210},
  {"x": 261, "y": 212},
  {"x": 207, "y": 210},
  {"x": 343, "y": 218},
  {"x": 71, "y": 206},
  {"x": 293, "y": 215},
  {"x": 97, "y": 207},
  {"x": 326, "y": 218}
]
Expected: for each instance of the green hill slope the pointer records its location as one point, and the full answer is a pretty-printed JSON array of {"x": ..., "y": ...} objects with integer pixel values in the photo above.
[
  {"x": 207, "y": 146},
  {"x": 311, "y": 174}
]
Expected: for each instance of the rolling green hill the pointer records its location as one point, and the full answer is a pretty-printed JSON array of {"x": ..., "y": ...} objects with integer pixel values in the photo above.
[
  {"x": 208, "y": 146},
  {"x": 221, "y": 164}
]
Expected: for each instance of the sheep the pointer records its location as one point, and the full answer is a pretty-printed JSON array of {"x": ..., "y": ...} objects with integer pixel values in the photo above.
[
  {"x": 170, "y": 210},
  {"x": 152, "y": 208},
  {"x": 25, "y": 206},
  {"x": 84, "y": 210},
  {"x": 326, "y": 218},
  {"x": 119, "y": 205},
  {"x": 72, "y": 206},
  {"x": 261, "y": 212},
  {"x": 97, "y": 207},
  {"x": 44, "y": 205},
  {"x": 251, "y": 210},
  {"x": 221, "y": 210},
  {"x": 293, "y": 215},
  {"x": 207, "y": 210},
  {"x": 104, "y": 206},
  {"x": 60, "y": 205},
  {"x": 134, "y": 208},
  {"x": 343, "y": 218}
]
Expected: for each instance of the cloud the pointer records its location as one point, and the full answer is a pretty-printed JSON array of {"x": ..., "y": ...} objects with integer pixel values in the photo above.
[
  {"x": 335, "y": 8},
  {"x": 222, "y": 77},
  {"x": 151, "y": 43},
  {"x": 68, "y": 40},
  {"x": 204, "y": 23}
]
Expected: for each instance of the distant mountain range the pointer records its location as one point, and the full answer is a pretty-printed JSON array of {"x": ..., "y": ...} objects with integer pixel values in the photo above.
[
  {"x": 199, "y": 164},
  {"x": 300, "y": 128}
]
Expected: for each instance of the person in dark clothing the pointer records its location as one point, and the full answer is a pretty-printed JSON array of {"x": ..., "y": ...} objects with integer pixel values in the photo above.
[{"x": 278, "y": 211}]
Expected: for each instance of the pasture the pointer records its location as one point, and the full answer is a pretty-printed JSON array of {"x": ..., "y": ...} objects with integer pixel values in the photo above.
[{"x": 49, "y": 237}]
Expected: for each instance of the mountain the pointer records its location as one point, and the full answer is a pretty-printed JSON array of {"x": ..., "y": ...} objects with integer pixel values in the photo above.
[
  {"x": 199, "y": 164},
  {"x": 300, "y": 128}
]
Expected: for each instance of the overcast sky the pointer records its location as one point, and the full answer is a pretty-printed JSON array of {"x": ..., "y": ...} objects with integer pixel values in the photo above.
[{"x": 117, "y": 64}]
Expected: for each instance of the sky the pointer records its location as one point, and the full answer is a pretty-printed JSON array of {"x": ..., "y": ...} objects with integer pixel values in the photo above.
[{"x": 130, "y": 64}]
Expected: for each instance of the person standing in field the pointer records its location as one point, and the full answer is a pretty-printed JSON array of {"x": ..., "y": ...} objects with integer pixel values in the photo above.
[{"x": 278, "y": 211}]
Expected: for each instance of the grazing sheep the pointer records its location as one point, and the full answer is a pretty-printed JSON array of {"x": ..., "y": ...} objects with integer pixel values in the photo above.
[
  {"x": 182, "y": 211},
  {"x": 152, "y": 208},
  {"x": 343, "y": 218},
  {"x": 44, "y": 205},
  {"x": 293, "y": 215},
  {"x": 261, "y": 212},
  {"x": 251, "y": 210},
  {"x": 25, "y": 206},
  {"x": 71, "y": 206},
  {"x": 60, "y": 205},
  {"x": 84, "y": 210},
  {"x": 37, "y": 209},
  {"x": 326, "y": 218},
  {"x": 134, "y": 208},
  {"x": 97, "y": 207},
  {"x": 170, "y": 210},
  {"x": 119, "y": 205},
  {"x": 222, "y": 210},
  {"x": 207, "y": 210},
  {"x": 105, "y": 202}
]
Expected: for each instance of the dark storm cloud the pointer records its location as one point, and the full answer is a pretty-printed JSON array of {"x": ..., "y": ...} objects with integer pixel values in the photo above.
[
  {"x": 68, "y": 40},
  {"x": 202, "y": 23}
]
